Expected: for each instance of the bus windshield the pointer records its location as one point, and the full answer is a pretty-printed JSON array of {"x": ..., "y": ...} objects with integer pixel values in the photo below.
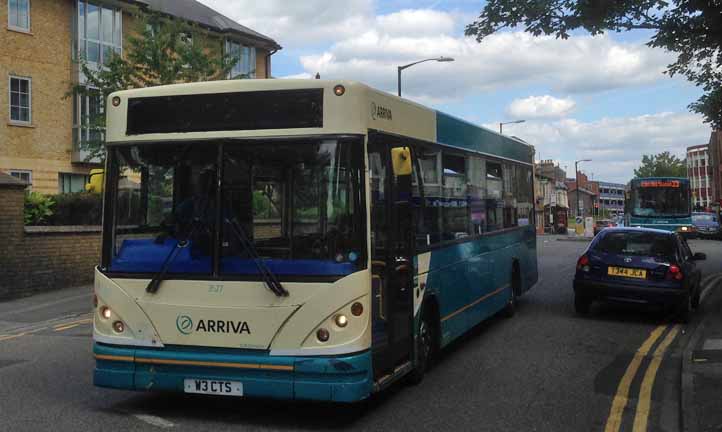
[
  {"x": 661, "y": 201},
  {"x": 299, "y": 202}
]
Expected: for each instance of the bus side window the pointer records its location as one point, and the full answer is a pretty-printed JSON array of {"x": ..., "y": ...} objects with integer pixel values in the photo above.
[
  {"x": 428, "y": 216},
  {"x": 378, "y": 163},
  {"x": 494, "y": 190},
  {"x": 476, "y": 192}
]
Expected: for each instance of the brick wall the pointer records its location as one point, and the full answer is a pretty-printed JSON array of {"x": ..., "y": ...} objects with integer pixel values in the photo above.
[{"x": 41, "y": 259}]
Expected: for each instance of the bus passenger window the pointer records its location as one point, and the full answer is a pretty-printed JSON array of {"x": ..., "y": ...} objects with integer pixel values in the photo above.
[
  {"x": 454, "y": 203},
  {"x": 477, "y": 192},
  {"x": 429, "y": 231},
  {"x": 494, "y": 202}
]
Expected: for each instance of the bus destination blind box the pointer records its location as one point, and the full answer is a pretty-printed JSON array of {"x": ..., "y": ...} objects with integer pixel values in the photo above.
[{"x": 253, "y": 110}]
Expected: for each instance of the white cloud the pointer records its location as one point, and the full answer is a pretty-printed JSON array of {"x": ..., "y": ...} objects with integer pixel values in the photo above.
[
  {"x": 615, "y": 145},
  {"x": 579, "y": 64},
  {"x": 299, "y": 23},
  {"x": 540, "y": 107}
]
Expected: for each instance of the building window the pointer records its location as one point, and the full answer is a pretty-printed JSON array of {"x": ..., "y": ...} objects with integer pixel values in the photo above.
[
  {"x": 20, "y": 100},
  {"x": 100, "y": 32},
  {"x": 71, "y": 183},
  {"x": 19, "y": 15},
  {"x": 88, "y": 111},
  {"x": 243, "y": 58},
  {"x": 24, "y": 175}
]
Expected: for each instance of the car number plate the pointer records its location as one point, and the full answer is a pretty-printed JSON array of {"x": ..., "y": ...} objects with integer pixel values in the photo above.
[
  {"x": 627, "y": 272},
  {"x": 214, "y": 387}
]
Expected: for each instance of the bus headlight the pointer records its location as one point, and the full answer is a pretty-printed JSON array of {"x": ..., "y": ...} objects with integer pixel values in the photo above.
[
  {"x": 105, "y": 312},
  {"x": 341, "y": 320}
]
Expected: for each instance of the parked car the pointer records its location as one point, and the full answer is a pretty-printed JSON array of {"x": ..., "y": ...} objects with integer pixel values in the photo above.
[
  {"x": 639, "y": 265},
  {"x": 706, "y": 225},
  {"x": 601, "y": 224}
]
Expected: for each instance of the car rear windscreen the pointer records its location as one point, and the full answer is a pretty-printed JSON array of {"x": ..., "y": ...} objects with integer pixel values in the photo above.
[
  {"x": 637, "y": 243},
  {"x": 278, "y": 109}
]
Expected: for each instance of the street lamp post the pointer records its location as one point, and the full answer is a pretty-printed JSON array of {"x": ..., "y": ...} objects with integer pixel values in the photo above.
[
  {"x": 441, "y": 59},
  {"x": 511, "y": 122},
  {"x": 576, "y": 179}
]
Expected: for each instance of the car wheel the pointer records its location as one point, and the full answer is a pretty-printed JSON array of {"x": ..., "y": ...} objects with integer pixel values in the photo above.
[
  {"x": 425, "y": 345},
  {"x": 696, "y": 297},
  {"x": 684, "y": 309},
  {"x": 582, "y": 304}
]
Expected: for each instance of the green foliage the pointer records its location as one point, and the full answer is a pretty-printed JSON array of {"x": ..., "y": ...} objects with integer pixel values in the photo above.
[
  {"x": 661, "y": 165},
  {"x": 689, "y": 28},
  {"x": 80, "y": 208},
  {"x": 38, "y": 208},
  {"x": 161, "y": 51}
]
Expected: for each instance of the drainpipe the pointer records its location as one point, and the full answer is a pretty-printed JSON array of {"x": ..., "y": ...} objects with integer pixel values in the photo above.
[{"x": 268, "y": 62}]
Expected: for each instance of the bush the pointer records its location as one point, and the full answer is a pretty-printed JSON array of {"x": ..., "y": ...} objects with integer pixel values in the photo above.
[
  {"x": 38, "y": 208},
  {"x": 80, "y": 208}
]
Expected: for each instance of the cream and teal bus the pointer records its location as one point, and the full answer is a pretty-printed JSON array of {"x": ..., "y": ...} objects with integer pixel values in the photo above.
[{"x": 300, "y": 239}]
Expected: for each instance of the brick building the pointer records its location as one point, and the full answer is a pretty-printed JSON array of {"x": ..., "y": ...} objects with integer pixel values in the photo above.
[
  {"x": 715, "y": 161},
  {"x": 40, "y": 133},
  {"x": 699, "y": 172},
  {"x": 588, "y": 195}
]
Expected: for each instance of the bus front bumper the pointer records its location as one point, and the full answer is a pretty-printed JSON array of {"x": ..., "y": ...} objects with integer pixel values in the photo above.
[{"x": 346, "y": 378}]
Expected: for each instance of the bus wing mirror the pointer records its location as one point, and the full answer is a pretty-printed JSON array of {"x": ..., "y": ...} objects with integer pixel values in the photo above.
[
  {"x": 401, "y": 159},
  {"x": 97, "y": 179}
]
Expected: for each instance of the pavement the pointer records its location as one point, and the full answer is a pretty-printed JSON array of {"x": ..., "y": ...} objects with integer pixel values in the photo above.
[
  {"x": 545, "y": 369},
  {"x": 702, "y": 366}
]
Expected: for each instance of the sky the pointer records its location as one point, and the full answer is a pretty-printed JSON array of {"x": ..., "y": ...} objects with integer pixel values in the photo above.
[{"x": 604, "y": 98}]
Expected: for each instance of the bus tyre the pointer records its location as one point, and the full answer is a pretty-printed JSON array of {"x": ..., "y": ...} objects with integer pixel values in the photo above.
[
  {"x": 510, "y": 308},
  {"x": 425, "y": 347},
  {"x": 581, "y": 304}
]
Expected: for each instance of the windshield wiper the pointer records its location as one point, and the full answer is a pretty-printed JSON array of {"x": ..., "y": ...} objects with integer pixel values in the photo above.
[
  {"x": 155, "y": 282},
  {"x": 269, "y": 278}
]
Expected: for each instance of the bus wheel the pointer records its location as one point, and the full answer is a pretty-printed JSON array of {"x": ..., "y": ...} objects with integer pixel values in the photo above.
[
  {"x": 510, "y": 308},
  {"x": 425, "y": 346}
]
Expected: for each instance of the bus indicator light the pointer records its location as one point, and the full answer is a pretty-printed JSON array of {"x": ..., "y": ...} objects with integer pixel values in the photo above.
[
  {"x": 357, "y": 309},
  {"x": 119, "y": 327},
  {"x": 339, "y": 90},
  {"x": 105, "y": 312},
  {"x": 116, "y": 101},
  {"x": 322, "y": 334}
]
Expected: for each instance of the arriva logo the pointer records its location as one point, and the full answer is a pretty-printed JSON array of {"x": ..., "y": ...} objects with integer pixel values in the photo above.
[
  {"x": 186, "y": 326},
  {"x": 184, "y": 323}
]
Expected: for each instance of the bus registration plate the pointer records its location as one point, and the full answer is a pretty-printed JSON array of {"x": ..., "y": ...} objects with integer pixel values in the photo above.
[
  {"x": 627, "y": 272},
  {"x": 215, "y": 387}
]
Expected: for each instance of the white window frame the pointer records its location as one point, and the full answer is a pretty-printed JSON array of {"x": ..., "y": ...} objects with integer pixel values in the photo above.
[
  {"x": 16, "y": 28},
  {"x": 21, "y": 171},
  {"x": 30, "y": 100},
  {"x": 82, "y": 42},
  {"x": 252, "y": 59}
]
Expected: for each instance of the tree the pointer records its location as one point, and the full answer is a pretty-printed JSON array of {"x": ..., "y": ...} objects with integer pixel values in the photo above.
[
  {"x": 161, "y": 51},
  {"x": 690, "y": 28},
  {"x": 661, "y": 165}
]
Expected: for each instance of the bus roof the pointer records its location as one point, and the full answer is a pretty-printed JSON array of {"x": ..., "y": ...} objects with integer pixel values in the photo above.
[{"x": 357, "y": 110}]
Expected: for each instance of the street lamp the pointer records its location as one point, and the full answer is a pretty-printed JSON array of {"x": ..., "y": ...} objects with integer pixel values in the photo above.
[
  {"x": 441, "y": 59},
  {"x": 511, "y": 122},
  {"x": 576, "y": 179}
]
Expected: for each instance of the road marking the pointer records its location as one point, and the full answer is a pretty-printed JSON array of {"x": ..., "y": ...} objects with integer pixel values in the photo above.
[
  {"x": 68, "y": 327},
  {"x": 707, "y": 284},
  {"x": 10, "y": 337},
  {"x": 72, "y": 323},
  {"x": 614, "y": 421},
  {"x": 645, "y": 392},
  {"x": 154, "y": 420}
]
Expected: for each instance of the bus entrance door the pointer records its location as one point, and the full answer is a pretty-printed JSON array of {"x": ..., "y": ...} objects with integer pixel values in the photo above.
[{"x": 392, "y": 269}]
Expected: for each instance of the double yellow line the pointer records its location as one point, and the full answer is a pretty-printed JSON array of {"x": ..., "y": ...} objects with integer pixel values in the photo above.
[
  {"x": 621, "y": 398},
  {"x": 57, "y": 328}
]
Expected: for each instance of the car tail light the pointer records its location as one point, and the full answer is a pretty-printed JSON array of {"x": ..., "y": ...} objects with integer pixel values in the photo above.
[
  {"x": 675, "y": 273},
  {"x": 583, "y": 263}
]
